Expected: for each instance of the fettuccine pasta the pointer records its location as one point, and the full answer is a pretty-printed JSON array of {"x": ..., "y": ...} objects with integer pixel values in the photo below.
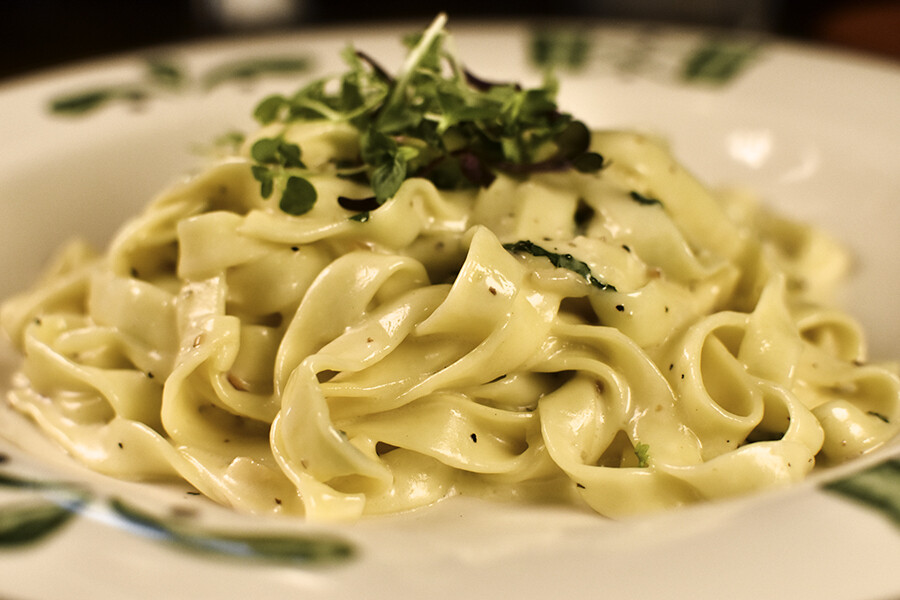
[{"x": 622, "y": 338}]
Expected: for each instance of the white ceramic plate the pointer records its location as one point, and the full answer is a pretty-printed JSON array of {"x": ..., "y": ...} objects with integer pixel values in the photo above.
[{"x": 816, "y": 133}]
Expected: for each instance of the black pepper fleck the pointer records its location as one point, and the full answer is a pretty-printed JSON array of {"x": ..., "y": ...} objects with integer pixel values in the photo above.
[
  {"x": 474, "y": 438},
  {"x": 620, "y": 307}
]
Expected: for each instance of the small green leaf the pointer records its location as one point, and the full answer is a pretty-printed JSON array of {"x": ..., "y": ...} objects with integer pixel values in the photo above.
[
  {"x": 642, "y": 451},
  {"x": 589, "y": 162},
  {"x": 269, "y": 109},
  {"x": 276, "y": 151},
  {"x": 265, "y": 151},
  {"x": 388, "y": 176},
  {"x": 574, "y": 140},
  {"x": 29, "y": 522},
  {"x": 266, "y": 181},
  {"x": 289, "y": 155},
  {"x": 309, "y": 548},
  {"x": 298, "y": 197},
  {"x": 376, "y": 147}
]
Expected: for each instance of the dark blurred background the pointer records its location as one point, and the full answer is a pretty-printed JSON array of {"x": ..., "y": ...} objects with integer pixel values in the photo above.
[{"x": 35, "y": 34}]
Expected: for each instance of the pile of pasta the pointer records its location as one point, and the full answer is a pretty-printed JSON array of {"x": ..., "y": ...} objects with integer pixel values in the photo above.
[{"x": 333, "y": 367}]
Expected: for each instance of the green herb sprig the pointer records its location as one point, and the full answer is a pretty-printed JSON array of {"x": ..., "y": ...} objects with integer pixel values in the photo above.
[
  {"x": 436, "y": 120},
  {"x": 275, "y": 158},
  {"x": 563, "y": 261},
  {"x": 642, "y": 451}
]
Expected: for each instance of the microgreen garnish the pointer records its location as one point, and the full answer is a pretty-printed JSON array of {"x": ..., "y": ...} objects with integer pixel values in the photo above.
[
  {"x": 275, "y": 158},
  {"x": 563, "y": 261},
  {"x": 433, "y": 119},
  {"x": 276, "y": 151},
  {"x": 642, "y": 451},
  {"x": 298, "y": 196},
  {"x": 265, "y": 178}
]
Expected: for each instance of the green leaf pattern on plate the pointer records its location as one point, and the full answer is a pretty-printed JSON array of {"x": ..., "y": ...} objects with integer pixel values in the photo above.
[
  {"x": 877, "y": 487},
  {"x": 28, "y": 522},
  {"x": 714, "y": 60},
  {"x": 560, "y": 49},
  {"x": 168, "y": 76},
  {"x": 313, "y": 548},
  {"x": 718, "y": 61},
  {"x": 51, "y": 505}
]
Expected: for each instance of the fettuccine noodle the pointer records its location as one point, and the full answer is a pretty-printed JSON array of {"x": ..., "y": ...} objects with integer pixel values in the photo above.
[{"x": 336, "y": 367}]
